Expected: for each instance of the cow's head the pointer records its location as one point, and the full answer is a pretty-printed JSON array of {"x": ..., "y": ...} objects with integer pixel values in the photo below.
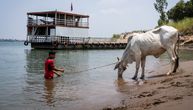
[{"x": 121, "y": 68}]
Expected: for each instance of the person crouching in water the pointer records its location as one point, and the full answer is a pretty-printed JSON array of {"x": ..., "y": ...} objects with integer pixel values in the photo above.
[{"x": 50, "y": 69}]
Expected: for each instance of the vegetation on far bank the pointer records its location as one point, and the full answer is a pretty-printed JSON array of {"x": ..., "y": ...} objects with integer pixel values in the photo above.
[
  {"x": 11, "y": 40},
  {"x": 177, "y": 13},
  {"x": 180, "y": 16},
  {"x": 184, "y": 26}
]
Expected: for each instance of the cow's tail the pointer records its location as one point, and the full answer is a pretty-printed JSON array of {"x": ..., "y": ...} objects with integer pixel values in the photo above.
[
  {"x": 178, "y": 44},
  {"x": 176, "y": 50}
]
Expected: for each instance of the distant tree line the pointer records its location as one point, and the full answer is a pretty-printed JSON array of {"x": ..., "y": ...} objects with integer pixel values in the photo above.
[
  {"x": 180, "y": 11},
  {"x": 9, "y": 40}
]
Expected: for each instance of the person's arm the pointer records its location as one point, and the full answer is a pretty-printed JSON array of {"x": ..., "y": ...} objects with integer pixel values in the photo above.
[
  {"x": 61, "y": 70},
  {"x": 57, "y": 73},
  {"x": 55, "y": 70}
]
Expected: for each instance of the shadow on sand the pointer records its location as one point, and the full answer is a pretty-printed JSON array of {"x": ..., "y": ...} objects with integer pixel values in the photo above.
[{"x": 157, "y": 76}]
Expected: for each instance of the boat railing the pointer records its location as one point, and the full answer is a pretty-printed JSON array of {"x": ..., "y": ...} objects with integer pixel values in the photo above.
[
  {"x": 39, "y": 22},
  {"x": 64, "y": 22},
  {"x": 47, "y": 39},
  {"x": 67, "y": 40}
]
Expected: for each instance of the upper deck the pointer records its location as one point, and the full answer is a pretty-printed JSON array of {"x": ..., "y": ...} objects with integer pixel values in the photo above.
[{"x": 57, "y": 18}]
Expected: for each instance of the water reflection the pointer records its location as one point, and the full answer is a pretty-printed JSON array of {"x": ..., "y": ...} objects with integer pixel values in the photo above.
[
  {"x": 35, "y": 60},
  {"x": 49, "y": 91},
  {"x": 126, "y": 86}
]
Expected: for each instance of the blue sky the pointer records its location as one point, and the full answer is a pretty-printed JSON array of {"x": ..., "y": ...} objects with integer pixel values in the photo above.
[{"x": 107, "y": 17}]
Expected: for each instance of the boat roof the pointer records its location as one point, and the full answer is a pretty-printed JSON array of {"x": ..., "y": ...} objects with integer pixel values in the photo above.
[{"x": 52, "y": 13}]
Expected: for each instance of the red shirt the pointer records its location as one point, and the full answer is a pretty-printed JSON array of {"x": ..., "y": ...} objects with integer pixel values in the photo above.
[{"x": 49, "y": 67}]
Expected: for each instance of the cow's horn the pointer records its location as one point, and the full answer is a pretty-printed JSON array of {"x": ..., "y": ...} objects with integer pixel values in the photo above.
[{"x": 118, "y": 58}]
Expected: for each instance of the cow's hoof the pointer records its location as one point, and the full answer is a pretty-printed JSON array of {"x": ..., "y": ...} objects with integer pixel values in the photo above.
[
  {"x": 120, "y": 77},
  {"x": 168, "y": 73},
  {"x": 134, "y": 78},
  {"x": 142, "y": 77}
]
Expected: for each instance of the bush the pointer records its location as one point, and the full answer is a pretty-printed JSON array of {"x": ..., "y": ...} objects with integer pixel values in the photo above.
[{"x": 116, "y": 36}]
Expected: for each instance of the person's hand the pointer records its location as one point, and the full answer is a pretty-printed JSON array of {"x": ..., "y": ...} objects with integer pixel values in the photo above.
[
  {"x": 58, "y": 75},
  {"x": 62, "y": 69}
]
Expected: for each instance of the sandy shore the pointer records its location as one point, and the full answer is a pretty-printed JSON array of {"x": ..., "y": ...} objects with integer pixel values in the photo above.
[{"x": 159, "y": 92}]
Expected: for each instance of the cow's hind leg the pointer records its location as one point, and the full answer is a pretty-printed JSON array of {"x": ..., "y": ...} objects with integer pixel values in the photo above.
[
  {"x": 176, "y": 63},
  {"x": 143, "y": 67},
  {"x": 174, "y": 60}
]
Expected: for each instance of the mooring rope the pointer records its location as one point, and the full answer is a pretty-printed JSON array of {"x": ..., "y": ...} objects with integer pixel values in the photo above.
[{"x": 94, "y": 68}]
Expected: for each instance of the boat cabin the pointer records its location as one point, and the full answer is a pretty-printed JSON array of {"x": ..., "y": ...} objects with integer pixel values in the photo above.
[
  {"x": 50, "y": 26},
  {"x": 64, "y": 30}
]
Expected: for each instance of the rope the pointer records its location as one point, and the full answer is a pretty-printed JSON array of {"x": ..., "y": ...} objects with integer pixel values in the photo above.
[{"x": 94, "y": 68}]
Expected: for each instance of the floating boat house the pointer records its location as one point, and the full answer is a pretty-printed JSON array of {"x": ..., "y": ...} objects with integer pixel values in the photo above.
[{"x": 63, "y": 30}]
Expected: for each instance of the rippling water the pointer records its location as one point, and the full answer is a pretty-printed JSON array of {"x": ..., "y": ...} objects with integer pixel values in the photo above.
[{"x": 23, "y": 86}]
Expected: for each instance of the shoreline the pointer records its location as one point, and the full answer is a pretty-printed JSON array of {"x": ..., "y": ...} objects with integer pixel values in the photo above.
[{"x": 159, "y": 92}]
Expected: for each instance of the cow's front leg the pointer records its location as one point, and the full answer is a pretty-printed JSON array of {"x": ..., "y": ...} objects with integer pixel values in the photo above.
[
  {"x": 137, "y": 68},
  {"x": 143, "y": 59}
]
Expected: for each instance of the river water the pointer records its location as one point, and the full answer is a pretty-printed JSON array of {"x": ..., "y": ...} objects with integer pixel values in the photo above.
[{"x": 24, "y": 87}]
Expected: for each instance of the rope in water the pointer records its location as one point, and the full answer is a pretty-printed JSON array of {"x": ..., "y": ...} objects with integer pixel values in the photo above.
[
  {"x": 95, "y": 68},
  {"x": 102, "y": 67}
]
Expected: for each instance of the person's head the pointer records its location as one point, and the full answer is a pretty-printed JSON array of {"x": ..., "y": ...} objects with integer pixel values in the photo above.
[{"x": 52, "y": 54}]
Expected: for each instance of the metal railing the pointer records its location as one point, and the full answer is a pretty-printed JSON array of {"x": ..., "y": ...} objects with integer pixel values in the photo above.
[
  {"x": 69, "y": 40},
  {"x": 48, "y": 39},
  {"x": 70, "y": 23}
]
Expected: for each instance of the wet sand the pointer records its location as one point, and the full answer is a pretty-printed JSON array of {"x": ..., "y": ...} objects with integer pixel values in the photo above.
[{"x": 159, "y": 92}]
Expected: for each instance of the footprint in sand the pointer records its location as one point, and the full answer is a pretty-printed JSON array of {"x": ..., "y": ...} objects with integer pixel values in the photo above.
[
  {"x": 187, "y": 75},
  {"x": 162, "y": 87},
  {"x": 178, "y": 84},
  {"x": 158, "y": 101},
  {"x": 146, "y": 94},
  {"x": 178, "y": 98},
  {"x": 167, "y": 80}
]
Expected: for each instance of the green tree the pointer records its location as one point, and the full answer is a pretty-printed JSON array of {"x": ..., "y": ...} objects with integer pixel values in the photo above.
[
  {"x": 189, "y": 9},
  {"x": 160, "y": 7},
  {"x": 178, "y": 12},
  {"x": 181, "y": 10}
]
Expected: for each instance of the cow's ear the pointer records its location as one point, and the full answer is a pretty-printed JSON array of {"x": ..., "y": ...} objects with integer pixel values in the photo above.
[{"x": 117, "y": 65}]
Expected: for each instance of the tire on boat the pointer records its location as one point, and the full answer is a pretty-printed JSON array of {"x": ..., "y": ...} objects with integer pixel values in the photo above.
[{"x": 26, "y": 43}]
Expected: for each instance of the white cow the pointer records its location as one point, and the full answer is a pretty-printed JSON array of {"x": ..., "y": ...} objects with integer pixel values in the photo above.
[{"x": 154, "y": 42}]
